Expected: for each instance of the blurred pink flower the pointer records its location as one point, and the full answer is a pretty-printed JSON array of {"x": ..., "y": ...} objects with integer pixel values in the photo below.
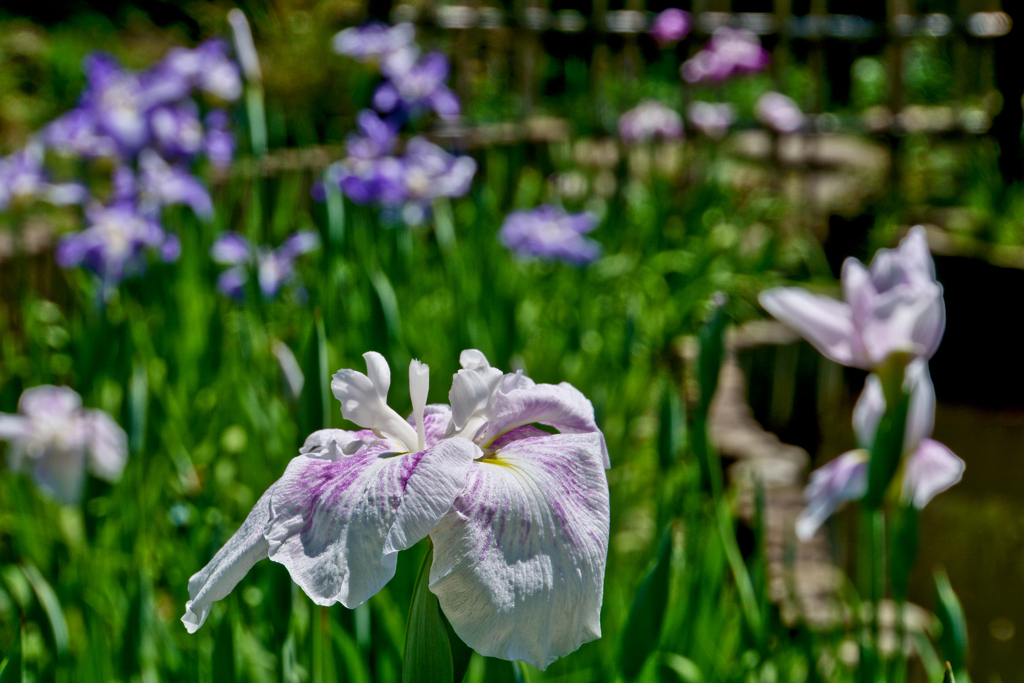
[
  {"x": 780, "y": 113},
  {"x": 895, "y": 306},
  {"x": 671, "y": 25}
]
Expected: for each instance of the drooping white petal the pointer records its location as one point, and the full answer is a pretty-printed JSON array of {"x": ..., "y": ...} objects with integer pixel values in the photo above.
[
  {"x": 822, "y": 321},
  {"x": 419, "y": 385},
  {"x": 337, "y": 525},
  {"x": 931, "y": 469},
  {"x": 519, "y": 560},
  {"x": 232, "y": 562},
  {"x": 60, "y": 473},
  {"x": 473, "y": 359},
  {"x": 843, "y": 479},
  {"x": 364, "y": 400},
  {"x": 107, "y": 444},
  {"x": 561, "y": 406}
]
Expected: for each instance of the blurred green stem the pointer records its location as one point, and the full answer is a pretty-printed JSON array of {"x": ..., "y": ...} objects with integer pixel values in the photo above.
[{"x": 257, "y": 118}]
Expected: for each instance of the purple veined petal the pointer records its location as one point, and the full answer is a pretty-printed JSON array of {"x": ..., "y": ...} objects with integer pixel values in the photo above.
[
  {"x": 843, "y": 479},
  {"x": 561, "y": 406},
  {"x": 519, "y": 559},
  {"x": 338, "y": 525},
  {"x": 821, "y": 320},
  {"x": 436, "y": 417},
  {"x": 230, "y": 249},
  {"x": 231, "y": 283},
  {"x": 107, "y": 444},
  {"x": 930, "y": 470},
  {"x": 231, "y": 563},
  {"x": 60, "y": 473}
]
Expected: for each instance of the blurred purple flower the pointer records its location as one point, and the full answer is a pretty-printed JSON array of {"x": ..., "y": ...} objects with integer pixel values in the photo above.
[
  {"x": 780, "y": 113},
  {"x": 895, "y": 306},
  {"x": 431, "y": 172},
  {"x": 671, "y": 25},
  {"x": 376, "y": 137},
  {"x": 161, "y": 184},
  {"x": 648, "y": 120},
  {"x": 729, "y": 52},
  {"x": 57, "y": 440},
  {"x": 930, "y": 468},
  {"x": 373, "y": 41},
  {"x": 415, "y": 86},
  {"x": 76, "y": 133},
  {"x": 219, "y": 142},
  {"x": 548, "y": 232},
  {"x": 23, "y": 179},
  {"x": 274, "y": 267},
  {"x": 207, "y": 67},
  {"x": 712, "y": 119},
  {"x": 176, "y": 130},
  {"x": 115, "y": 245}
]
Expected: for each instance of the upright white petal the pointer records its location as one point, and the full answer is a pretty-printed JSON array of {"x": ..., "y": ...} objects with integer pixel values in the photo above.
[
  {"x": 471, "y": 393},
  {"x": 364, "y": 400},
  {"x": 232, "y": 562},
  {"x": 519, "y": 559},
  {"x": 419, "y": 386},
  {"x": 108, "y": 445},
  {"x": 338, "y": 524}
]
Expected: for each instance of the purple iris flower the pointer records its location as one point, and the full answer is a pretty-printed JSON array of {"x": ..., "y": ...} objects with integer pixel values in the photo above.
[
  {"x": 57, "y": 440},
  {"x": 415, "y": 86},
  {"x": 373, "y": 41},
  {"x": 671, "y": 25},
  {"x": 23, "y": 179},
  {"x": 730, "y": 52},
  {"x": 430, "y": 172},
  {"x": 76, "y": 134},
  {"x": 780, "y": 113},
  {"x": 115, "y": 244},
  {"x": 930, "y": 468},
  {"x": 491, "y": 491},
  {"x": 376, "y": 137},
  {"x": 711, "y": 118},
  {"x": 218, "y": 142},
  {"x": 548, "y": 232},
  {"x": 274, "y": 267},
  {"x": 175, "y": 129},
  {"x": 649, "y": 120},
  {"x": 207, "y": 67},
  {"x": 895, "y": 306},
  {"x": 120, "y": 101},
  {"x": 161, "y": 184}
]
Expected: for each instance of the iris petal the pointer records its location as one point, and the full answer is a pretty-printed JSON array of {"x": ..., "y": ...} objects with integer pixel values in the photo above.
[
  {"x": 519, "y": 560},
  {"x": 824, "y": 322},
  {"x": 561, "y": 406},
  {"x": 232, "y": 562},
  {"x": 338, "y": 524},
  {"x": 931, "y": 469}
]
